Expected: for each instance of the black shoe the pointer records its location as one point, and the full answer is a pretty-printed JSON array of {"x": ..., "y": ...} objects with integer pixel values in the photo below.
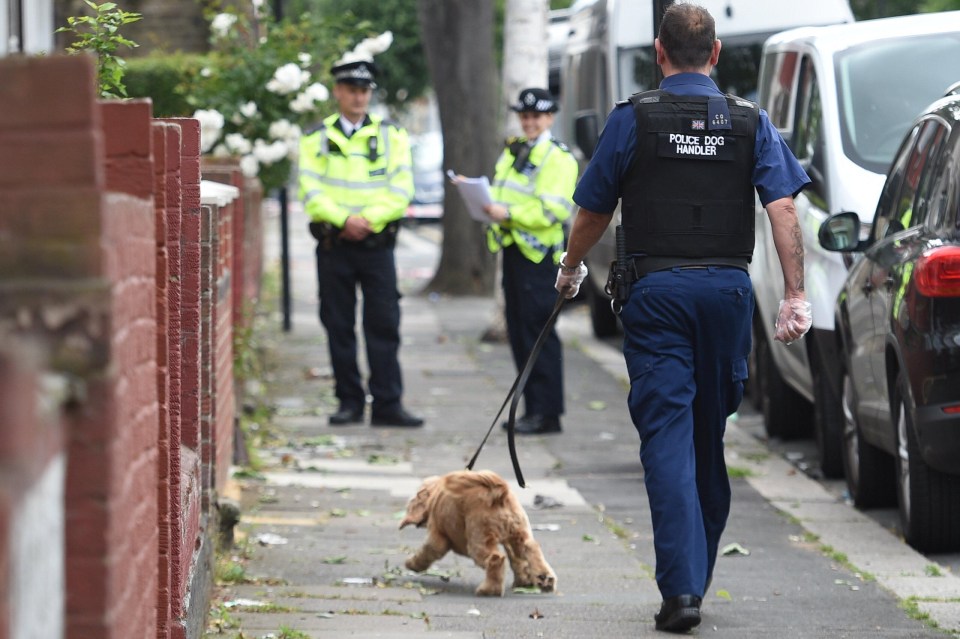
[
  {"x": 398, "y": 417},
  {"x": 535, "y": 425},
  {"x": 679, "y": 614},
  {"x": 346, "y": 416}
]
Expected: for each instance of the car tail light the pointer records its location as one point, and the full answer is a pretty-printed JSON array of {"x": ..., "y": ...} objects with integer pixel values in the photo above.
[
  {"x": 952, "y": 410},
  {"x": 937, "y": 273}
]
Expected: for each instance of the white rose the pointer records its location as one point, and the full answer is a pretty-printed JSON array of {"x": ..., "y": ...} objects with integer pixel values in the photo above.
[
  {"x": 302, "y": 103},
  {"x": 221, "y": 24},
  {"x": 249, "y": 109},
  {"x": 317, "y": 92},
  {"x": 280, "y": 129},
  {"x": 249, "y": 166},
  {"x": 221, "y": 151},
  {"x": 211, "y": 123},
  {"x": 287, "y": 79},
  {"x": 237, "y": 144},
  {"x": 305, "y": 59},
  {"x": 269, "y": 153}
]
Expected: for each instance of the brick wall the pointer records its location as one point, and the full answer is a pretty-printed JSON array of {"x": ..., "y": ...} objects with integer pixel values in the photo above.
[{"x": 118, "y": 291}]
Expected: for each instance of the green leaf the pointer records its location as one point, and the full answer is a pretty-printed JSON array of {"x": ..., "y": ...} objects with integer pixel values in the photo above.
[{"x": 723, "y": 594}]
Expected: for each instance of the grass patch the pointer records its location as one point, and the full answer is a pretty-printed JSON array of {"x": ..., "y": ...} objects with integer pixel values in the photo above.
[
  {"x": 739, "y": 472},
  {"x": 933, "y": 570}
]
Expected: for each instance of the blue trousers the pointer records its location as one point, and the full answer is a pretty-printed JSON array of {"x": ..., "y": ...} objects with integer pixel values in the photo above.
[
  {"x": 687, "y": 337},
  {"x": 529, "y": 296},
  {"x": 340, "y": 269}
]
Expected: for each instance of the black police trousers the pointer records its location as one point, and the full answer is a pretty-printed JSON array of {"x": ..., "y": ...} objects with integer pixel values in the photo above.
[
  {"x": 529, "y": 297},
  {"x": 341, "y": 268}
]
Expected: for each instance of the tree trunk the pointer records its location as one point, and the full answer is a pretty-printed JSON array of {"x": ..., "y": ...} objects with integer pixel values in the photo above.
[
  {"x": 524, "y": 54},
  {"x": 524, "y": 65},
  {"x": 458, "y": 41}
]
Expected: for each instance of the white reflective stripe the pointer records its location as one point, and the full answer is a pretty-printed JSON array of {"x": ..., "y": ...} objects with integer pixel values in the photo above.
[
  {"x": 385, "y": 134},
  {"x": 519, "y": 188},
  {"x": 309, "y": 195},
  {"x": 351, "y": 184},
  {"x": 355, "y": 208},
  {"x": 556, "y": 199},
  {"x": 309, "y": 173},
  {"x": 400, "y": 190},
  {"x": 532, "y": 241}
]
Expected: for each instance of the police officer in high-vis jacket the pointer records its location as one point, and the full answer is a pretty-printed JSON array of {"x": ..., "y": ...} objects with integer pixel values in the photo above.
[
  {"x": 532, "y": 191},
  {"x": 685, "y": 161},
  {"x": 356, "y": 182}
]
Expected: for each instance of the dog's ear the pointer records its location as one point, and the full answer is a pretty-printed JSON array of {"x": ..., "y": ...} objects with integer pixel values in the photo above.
[{"x": 418, "y": 510}]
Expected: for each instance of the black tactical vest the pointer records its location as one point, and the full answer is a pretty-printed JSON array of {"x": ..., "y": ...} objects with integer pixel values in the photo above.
[{"x": 688, "y": 193}]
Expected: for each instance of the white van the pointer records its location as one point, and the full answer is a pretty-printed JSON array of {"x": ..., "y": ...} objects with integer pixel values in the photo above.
[
  {"x": 609, "y": 56},
  {"x": 842, "y": 97}
]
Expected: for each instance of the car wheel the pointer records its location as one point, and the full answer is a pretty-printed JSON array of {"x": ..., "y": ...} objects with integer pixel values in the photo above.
[
  {"x": 869, "y": 471},
  {"x": 785, "y": 413},
  {"x": 828, "y": 421},
  {"x": 602, "y": 318},
  {"x": 929, "y": 500}
]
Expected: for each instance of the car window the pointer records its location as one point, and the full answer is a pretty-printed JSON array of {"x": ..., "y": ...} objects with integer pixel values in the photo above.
[
  {"x": 807, "y": 142},
  {"x": 911, "y": 181},
  {"x": 931, "y": 180},
  {"x": 887, "y": 205},
  {"x": 883, "y": 85},
  {"x": 779, "y": 73}
]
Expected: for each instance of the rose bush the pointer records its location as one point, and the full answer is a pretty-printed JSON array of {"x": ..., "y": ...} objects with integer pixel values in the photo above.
[{"x": 264, "y": 84}]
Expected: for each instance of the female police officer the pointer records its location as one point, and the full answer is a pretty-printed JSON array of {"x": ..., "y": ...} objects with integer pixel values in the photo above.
[
  {"x": 685, "y": 160},
  {"x": 532, "y": 189}
]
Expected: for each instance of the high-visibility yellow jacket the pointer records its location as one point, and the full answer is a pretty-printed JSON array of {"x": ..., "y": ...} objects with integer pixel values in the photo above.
[
  {"x": 538, "y": 197},
  {"x": 367, "y": 174}
]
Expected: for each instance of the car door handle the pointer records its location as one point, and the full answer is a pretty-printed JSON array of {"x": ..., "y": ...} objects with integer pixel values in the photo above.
[
  {"x": 867, "y": 287},
  {"x": 889, "y": 282}
]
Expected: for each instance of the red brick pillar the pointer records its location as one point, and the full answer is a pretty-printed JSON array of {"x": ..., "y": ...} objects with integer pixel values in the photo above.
[
  {"x": 77, "y": 276},
  {"x": 190, "y": 552}
]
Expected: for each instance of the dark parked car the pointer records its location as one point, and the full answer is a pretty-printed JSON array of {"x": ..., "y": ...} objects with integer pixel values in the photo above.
[{"x": 898, "y": 319}]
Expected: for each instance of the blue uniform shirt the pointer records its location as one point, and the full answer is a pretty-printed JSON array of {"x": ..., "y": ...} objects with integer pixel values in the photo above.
[{"x": 776, "y": 173}]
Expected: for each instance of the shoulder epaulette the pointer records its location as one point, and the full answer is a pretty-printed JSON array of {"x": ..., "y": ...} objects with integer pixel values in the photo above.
[
  {"x": 561, "y": 145},
  {"x": 512, "y": 140},
  {"x": 741, "y": 102},
  {"x": 313, "y": 128}
]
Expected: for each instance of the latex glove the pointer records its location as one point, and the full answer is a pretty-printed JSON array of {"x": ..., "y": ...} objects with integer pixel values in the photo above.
[
  {"x": 570, "y": 278},
  {"x": 793, "y": 320}
]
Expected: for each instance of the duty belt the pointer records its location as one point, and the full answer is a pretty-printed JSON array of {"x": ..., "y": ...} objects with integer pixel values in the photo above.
[
  {"x": 649, "y": 263},
  {"x": 329, "y": 236}
]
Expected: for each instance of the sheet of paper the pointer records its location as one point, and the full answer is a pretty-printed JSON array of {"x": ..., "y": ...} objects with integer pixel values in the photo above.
[{"x": 475, "y": 193}]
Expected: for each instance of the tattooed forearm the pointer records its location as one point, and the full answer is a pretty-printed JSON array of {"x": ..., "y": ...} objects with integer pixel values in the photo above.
[
  {"x": 797, "y": 251},
  {"x": 788, "y": 238}
]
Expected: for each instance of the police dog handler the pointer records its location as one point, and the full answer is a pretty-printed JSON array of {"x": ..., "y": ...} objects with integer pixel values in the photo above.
[
  {"x": 356, "y": 182},
  {"x": 532, "y": 192},
  {"x": 685, "y": 161}
]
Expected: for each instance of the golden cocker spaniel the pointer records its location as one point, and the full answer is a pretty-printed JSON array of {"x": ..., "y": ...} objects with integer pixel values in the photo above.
[{"x": 473, "y": 513}]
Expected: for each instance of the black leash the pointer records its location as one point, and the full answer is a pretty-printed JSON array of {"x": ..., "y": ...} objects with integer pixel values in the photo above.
[{"x": 516, "y": 391}]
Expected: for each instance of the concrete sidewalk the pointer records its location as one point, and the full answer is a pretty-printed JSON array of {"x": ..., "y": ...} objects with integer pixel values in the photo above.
[{"x": 320, "y": 527}]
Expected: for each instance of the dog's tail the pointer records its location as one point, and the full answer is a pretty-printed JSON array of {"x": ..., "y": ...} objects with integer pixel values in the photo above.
[{"x": 497, "y": 489}]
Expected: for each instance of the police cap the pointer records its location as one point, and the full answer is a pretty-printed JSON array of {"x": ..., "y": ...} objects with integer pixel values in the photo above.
[
  {"x": 535, "y": 100},
  {"x": 361, "y": 73}
]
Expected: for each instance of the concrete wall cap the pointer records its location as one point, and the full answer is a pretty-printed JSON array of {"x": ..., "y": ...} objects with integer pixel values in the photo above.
[{"x": 217, "y": 193}]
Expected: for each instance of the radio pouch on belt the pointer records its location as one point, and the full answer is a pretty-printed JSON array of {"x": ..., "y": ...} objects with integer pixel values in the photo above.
[{"x": 621, "y": 276}]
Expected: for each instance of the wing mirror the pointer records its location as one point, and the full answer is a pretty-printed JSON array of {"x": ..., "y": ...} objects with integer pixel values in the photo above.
[
  {"x": 586, "y": 130},
  {"x": 841, "y": 232}
]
